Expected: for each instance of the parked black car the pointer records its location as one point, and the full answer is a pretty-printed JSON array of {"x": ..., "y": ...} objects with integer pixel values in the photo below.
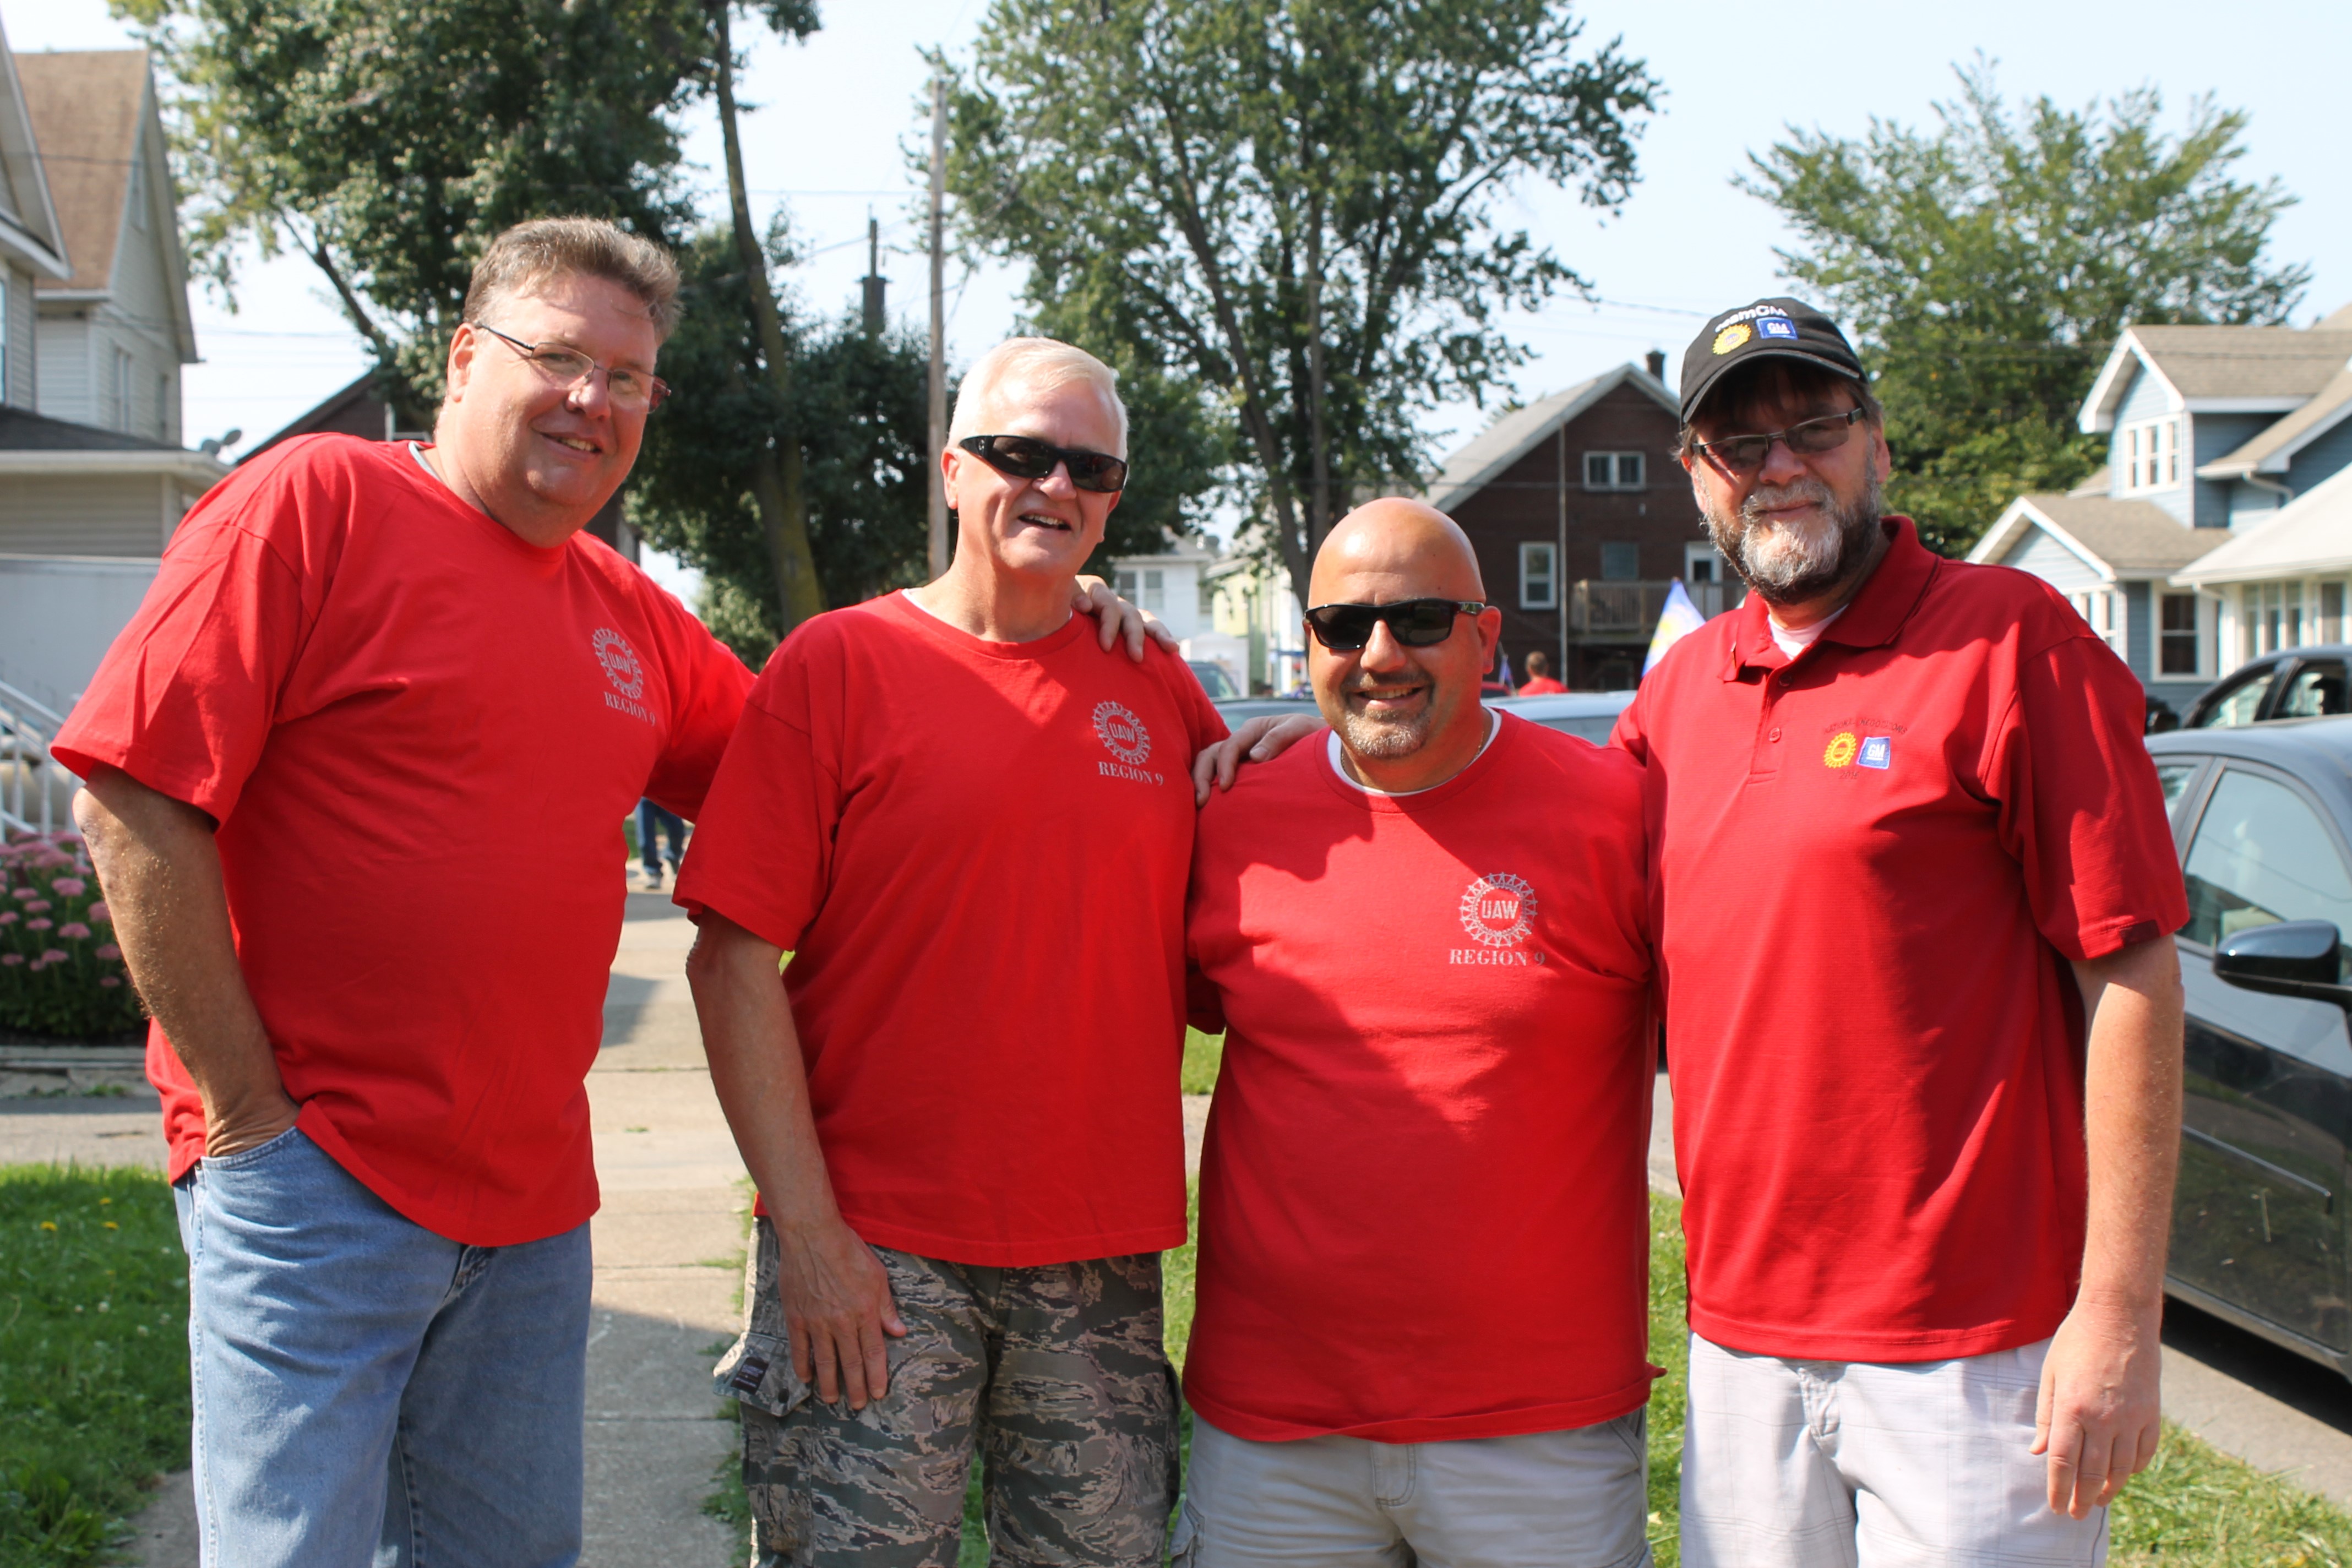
[
  {"x": 2263, "y": 821},
  {"x": 2294, "y": 683}
]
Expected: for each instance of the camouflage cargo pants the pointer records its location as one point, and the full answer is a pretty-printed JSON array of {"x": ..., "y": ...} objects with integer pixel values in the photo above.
[{"x": 1055, "y": 1374}]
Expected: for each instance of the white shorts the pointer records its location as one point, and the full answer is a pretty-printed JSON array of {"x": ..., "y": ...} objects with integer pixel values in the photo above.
[
  {"x": 1549, "y": 1499},
  {"x": 1809, "y": 1464}
]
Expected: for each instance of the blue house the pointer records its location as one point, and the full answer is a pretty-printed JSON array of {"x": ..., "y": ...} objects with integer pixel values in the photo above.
[{"x": 2211, "y": 430}]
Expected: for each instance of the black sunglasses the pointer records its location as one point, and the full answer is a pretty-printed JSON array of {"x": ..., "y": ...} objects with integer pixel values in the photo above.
[
  {"x": 1415, "y": 623},
  {"x": 1026, "y": 458},
  {"x": 1746, "y": 453}
]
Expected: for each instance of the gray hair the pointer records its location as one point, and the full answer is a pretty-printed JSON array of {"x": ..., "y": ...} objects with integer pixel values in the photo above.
[{"x": 1039, "y": 364}]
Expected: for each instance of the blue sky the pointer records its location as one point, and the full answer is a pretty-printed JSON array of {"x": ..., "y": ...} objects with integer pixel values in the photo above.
[{"x": 835, "y": 115}]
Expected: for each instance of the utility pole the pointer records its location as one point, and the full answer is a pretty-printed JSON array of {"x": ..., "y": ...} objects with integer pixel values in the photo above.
[
  {"x": 1560, "y": 552},
  {"x": 938, "y": 324},
  {"x": 872, "y": 277}
]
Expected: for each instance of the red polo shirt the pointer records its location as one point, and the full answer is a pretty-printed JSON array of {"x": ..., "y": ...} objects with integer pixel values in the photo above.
[{"x": 1873, "y": 862}]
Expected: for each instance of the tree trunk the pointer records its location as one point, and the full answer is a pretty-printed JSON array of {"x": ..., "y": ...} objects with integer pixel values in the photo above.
[{"x": 776, "y": 468}]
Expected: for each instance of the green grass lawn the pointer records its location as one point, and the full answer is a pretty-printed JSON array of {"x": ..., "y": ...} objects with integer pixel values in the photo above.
[
  {"x": 93, "y": 1356},
  {"x": 1203, "y": 1054}
]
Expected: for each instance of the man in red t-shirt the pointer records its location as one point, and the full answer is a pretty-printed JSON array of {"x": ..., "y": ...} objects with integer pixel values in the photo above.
[
  {"x": 1538, "y": 682},
  {"x": 1424, "y": 1225},
  {"x": 959, "y": 1104}
]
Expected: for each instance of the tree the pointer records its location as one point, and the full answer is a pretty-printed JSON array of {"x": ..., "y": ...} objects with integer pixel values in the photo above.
[
  {"x": 1277, "y": 217},
  {"x": 388, "y": 140},
  {"x": 1987, "y": 265},
  {"x": 859, "y": 406}
]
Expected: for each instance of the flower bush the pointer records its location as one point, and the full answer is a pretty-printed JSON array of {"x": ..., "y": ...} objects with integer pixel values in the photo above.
[{"x": 61, "y": 972}]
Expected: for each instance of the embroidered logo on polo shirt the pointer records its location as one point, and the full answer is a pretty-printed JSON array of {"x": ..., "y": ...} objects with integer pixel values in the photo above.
[
  {"x": 1877, "y": 752},
  {"x": 1498, "y": 910},
  {"x": 1124, "y": 736},
  {"x": 622, "y": 668},
  {"x": 1841, "y": 748},
  {"x": 1853, "y": 744}
]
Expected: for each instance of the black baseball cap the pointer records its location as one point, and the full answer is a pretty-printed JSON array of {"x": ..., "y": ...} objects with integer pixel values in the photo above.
[{"x": 1780, "y": 328}]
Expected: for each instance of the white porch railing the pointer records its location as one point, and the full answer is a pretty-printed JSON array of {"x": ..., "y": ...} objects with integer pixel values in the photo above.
[{"x": 33, "y": 783}]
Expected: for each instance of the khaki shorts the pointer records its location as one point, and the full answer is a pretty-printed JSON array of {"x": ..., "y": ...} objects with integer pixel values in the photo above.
[
  {"x": 1054, "y": 1375},
  {"x": 1806, "y": 1464},
  {"x": 1575, "y": 1499}
]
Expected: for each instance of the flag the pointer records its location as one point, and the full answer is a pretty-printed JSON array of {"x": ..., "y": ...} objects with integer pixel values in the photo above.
[{"x": 1675, "y": 622}]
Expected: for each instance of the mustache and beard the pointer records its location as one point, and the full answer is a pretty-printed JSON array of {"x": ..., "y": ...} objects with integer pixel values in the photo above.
[
  {"x": 1789, "y": 564},
  {"x": 1386, "y": 736}
]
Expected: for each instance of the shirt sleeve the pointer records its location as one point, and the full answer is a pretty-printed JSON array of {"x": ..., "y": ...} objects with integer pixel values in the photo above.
[
  {"x": 707, "y": 685},
  {"x": 186, "y": 698},
  {"x": 2080, "y": 807},
  {"x": 1631, "y": 732},
  {"x": 763, "y": 849}
]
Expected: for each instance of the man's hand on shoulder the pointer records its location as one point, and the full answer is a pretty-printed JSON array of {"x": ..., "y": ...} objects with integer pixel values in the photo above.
[
  {"x": 1120, "y": 619},
  {"x": 1259, "y": 739},
  {"x": 837, "y": 1308}
]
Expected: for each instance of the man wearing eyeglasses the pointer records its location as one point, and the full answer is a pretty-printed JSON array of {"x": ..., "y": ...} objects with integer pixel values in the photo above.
[
  {"x": 1421, "y": 1311},
  {"x": 970, "y": 827},
  {"x": 1908, "y": 840}
]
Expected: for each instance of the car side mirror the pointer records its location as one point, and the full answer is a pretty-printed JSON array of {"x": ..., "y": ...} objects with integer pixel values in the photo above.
[{"x": 2294, "y": 958}]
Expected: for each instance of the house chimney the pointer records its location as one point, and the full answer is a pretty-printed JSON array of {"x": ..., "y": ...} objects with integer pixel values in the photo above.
[{"x": 1656, "y": 362}]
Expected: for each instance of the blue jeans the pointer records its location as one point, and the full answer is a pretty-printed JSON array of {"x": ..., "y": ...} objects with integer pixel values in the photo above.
[
  {"x": 368, "y": 1393},
  {"x": 649, "y": 815}
]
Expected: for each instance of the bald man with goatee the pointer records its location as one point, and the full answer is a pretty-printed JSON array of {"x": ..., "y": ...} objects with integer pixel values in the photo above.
[{"x": 1423, "y": 1222}]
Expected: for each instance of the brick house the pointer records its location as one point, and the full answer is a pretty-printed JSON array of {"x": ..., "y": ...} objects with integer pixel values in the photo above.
[{"x": 1582, "y": 519}]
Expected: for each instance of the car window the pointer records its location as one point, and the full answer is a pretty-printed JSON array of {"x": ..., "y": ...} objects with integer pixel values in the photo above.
[
  {"x": 2316, "y": 687},
  {"x": 2240, "y": 703},
  {"x": 2175, "y": 777},
  {"x": 2262, "y": 856}
]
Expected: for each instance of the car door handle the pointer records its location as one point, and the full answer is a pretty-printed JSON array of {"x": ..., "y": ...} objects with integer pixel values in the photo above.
[{"x": 2284, "y": 1178}]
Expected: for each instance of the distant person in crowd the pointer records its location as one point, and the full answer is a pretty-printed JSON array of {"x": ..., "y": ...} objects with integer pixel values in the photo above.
[
  {"x": 1422, "y": 1269},
  {"x": 353, "y": 769},
  {"x": 959, "y": 1101},
  {"x": 653, "y": 820},
  {"x": 1538, "y": 682},
  {"x": 1915, "y": 881}
]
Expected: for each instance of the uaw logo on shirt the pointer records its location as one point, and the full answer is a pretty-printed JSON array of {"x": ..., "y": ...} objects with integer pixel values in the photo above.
[
  {"x": 621, "y": 667},
  {"x": 1123, "y": 734},
  {"x": 1498, "y": 910}
]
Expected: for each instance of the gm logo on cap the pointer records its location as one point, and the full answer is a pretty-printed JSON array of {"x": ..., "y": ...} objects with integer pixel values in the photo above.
[{"x": 1776, "y": 326}]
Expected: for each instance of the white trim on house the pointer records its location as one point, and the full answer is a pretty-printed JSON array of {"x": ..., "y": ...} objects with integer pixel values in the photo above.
[
  {"x": 194, "y": 467},
  {"x": 2106, "y": 395},
  {"x": 2021, "y": 514}
]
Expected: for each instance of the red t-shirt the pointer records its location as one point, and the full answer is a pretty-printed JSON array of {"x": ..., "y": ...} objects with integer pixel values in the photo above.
[
  {"x": 976, "y": 853},
  {"x": 1539, "y": 686},
  {"x": 419, "y": 735},
  {"x": 1423, "y": 1197},
  {"x": 1873, "y": 862}
]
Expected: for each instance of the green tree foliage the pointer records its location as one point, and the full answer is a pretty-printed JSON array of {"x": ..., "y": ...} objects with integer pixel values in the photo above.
[
  {"x": 1987, "y": 265},
  {"x": 857, "y": 408},
  {"x": 1279, "y": 217},
  {"x": 388, "y": 140}
]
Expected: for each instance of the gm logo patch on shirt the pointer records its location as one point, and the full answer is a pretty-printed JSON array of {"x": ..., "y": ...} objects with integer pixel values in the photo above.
[
  {"x": 1877, "y": 752},
  {"x": 1847, "y": 749}
]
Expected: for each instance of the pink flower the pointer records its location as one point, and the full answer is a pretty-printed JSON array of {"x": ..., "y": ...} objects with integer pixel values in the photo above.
[
  {"x": 108, "y": 981},
  {"x": 37, "y": 906},
  {"x": 73, "y": 930},
  {"x": 10, "y": 960},
  {"x": 9, "y": 917},
  {"x": 24, "y": 895},
  {"x": 98, "y": 911},
  {"x": 69, "y": 886},
  {"x": 56, "y": 955},
  {"x": 38, "y": 925},
  {"x": 107, "y": 950}
]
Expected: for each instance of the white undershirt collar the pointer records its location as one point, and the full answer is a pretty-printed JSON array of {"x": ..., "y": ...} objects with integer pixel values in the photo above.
[
  {"x": 1332, "y": 751},
  {"x": 1794, "y": 641}
]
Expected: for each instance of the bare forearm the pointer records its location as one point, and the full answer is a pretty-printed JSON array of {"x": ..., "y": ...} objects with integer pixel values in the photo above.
[
  {"x": 756, "y": 1070},
  {"x": 162, "y": 873},
  {"x": 2132, "y": 1123}
]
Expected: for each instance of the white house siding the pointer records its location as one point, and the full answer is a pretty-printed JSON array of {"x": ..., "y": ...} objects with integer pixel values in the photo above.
[
  {"x": 57, "y": 618},
  {"x": 89, "y": 514},
  {"x": 139, "y": 316},
  {"x": 2052, "y": 562},
  {"x": 65, "y": 390},
  {"x": 23, "y": 355}
]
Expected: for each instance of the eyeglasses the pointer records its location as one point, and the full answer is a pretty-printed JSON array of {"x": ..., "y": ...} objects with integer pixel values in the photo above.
[
  {"x": 629, "y": 389},
  {"x": 1415, "y": 623},
  {"x": 1746, "y": 453},
  {"x": 1026, "y": 458}
]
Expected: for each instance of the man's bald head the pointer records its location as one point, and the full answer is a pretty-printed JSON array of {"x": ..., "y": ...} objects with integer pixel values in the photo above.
[{"x": 1402, "y": 548}]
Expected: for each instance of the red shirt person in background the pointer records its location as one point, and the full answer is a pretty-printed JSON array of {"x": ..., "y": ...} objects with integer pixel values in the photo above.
[
  {"x": 1538, "y": 682},
  {"x": 1909, "y": 841},
  {"x": 970, "y": 826},
  {"x": 1424, "y": 1222}
]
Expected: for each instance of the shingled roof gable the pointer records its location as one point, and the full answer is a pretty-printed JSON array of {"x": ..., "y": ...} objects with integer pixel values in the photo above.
[{"x": 1487, "y": 456}]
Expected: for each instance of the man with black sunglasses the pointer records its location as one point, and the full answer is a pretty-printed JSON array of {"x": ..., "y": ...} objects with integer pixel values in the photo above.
[
  {"x": 1422, "y": 1221},
  {"x": 970, "y": 824}
]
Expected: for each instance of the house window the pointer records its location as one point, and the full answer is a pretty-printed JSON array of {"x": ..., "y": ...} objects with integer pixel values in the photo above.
[
  {"x": 2176, "y": 643},
  {"x": 1155, "y": 590},
  {"x": 1538, "y": 577},
  {"x": 138, "y": 193},
  {"x": 1620, "y": 562},
  {"x": 1208, "y": 602},
  {"x": 1126, "y": 586},
  {"x": 2103, "y": 609},
  {"x": 2151, "y": 454},
  {"x": 121, "y": 390},
  {"x": 1612, "y": 470},
  {"x": 2331, "y": 612}
]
